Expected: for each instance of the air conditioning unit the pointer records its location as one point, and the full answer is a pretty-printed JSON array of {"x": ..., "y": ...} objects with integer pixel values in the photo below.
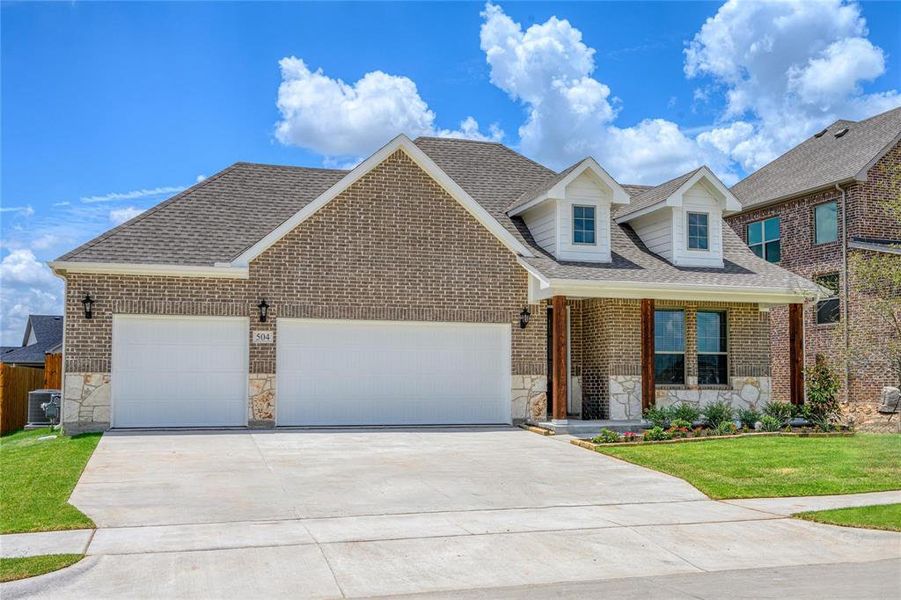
[{"x": 36, "y": 398}]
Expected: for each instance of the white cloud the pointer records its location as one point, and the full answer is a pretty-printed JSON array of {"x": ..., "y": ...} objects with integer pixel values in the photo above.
[
  {"x": 571, "y": 114},
  {"x": 786, "y": 69},
  {"x": 199, "y": 178},
  {"x": 25, "y": 211},
  {"x": 338, "y": 119},
  {"x": 133, "y": 194},
  {"x": 118, "y": 216},
  {"x": 26, "y": 287}
]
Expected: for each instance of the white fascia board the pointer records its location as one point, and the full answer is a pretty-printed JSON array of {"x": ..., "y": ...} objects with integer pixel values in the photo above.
[
  {"x": 62, "y": 267},
  {"x": 401, "y": 142},
  {"x": 558, "y": 191},
  {"x": 730, "y": 203},
  {"x": 634, "y": 290}
]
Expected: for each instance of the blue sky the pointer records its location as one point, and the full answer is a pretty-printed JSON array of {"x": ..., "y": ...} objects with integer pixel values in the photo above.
[{"x": 109, "y": 108}]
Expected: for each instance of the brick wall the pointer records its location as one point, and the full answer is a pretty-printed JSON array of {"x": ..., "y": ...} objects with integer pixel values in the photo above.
[{"x": 866, "y": 218}]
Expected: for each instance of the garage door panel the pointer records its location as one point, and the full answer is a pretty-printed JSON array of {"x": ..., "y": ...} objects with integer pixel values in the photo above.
[
  {"x": 179, "y": 371},
  {"x": 368, "y": 373}
]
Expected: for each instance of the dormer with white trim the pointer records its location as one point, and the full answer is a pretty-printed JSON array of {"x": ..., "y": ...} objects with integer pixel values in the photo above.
[
  {"x": 570, "y": 215},
  {"x": 682, "y": 219}
]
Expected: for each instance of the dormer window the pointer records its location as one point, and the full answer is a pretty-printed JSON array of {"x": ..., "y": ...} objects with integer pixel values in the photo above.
[
  {"x": 584, "y": 226},
  {"x": 698, "y": 231}
]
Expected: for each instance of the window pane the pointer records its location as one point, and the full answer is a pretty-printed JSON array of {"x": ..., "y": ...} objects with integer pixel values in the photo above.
[
  {"x": 828, "y": 311},
  {"x": 711, "y": 331},
  {"x": 771, "y": 229},
  {"x": 669, "y": 369},
  {"x": 758, "y": 250},
  {"x": 583, "y": 224},
  {"x": 828, "y": 281},
  {"x": 826, "y": 223},
  {"x": 669, "y": 331},
  {"x": 773, "y": 251},
  {"x": 755, "y": 232},
  {"x": 697, "y": 231},
  {"x": 712, "y": 369}
]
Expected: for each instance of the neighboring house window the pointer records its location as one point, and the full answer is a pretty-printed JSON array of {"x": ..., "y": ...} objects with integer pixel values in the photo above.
[
  {"x": 828, "y": 308},
  {"x": 764, "y": 239},
  {"x": 698, "y": 231},
  {"x": 669, "y": 347},
  {"x": 712, "y": 353},
  {"x": 825, "y": 223},
  {"x": 583, "y": 225}
]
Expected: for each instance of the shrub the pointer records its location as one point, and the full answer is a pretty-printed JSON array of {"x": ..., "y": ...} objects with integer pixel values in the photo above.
[
  {"x": 684, "y": 412},
  {"x": 658, "y": 416},
  {"x": 717, "y": 412},
  {"x": 606, "y": 436},
  {"x": 656, "y": 434},
  {"x": 822, "y": 393},
  {"x": 781, "y": 411},
  {"x": 725, "y": 428},
  {"x": 770, "y": 423},
  {"x": 748, "y": 417},
  {"x": 680, "y": 424}
]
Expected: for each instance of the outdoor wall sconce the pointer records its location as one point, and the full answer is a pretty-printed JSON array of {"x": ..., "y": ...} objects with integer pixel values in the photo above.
[
  {"x": 264, "y": 310},
  {"x": 524, "y": 317},
  {"x": 88, "y": 303}
]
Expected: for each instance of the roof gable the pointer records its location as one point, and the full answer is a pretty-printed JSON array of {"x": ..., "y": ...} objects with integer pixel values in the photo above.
[
  {"x": 555, "y": 187},
  {"x": 671, "y": 193}
]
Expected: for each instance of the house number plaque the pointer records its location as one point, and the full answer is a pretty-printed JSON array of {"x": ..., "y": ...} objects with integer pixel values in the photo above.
[{"x": 262, "y": 337}]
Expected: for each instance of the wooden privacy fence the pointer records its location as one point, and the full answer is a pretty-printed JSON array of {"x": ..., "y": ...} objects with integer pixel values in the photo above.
[
  {"x": 53, "y": 371},
  {"x": 15, "y": 383}
]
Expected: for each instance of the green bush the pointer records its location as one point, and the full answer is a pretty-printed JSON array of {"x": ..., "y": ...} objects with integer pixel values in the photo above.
[
  {"x": 781, "y": 411},
  {"x": 680, "y": 423},
  {"x": 717, "y": 412},
  {"x": 606, "y": 436},
  {"x": 748, "y": 417},
  {"x": 656, "y": 434},
  {"x": 770, "y": 423},
  {"x": 684, "y": 412},
  {"x": 822, "y": 394},
  {"x": 725, "y": 428},
  {"x": 657, "y": 416}
]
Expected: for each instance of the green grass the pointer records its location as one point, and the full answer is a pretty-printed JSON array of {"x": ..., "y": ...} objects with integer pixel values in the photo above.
[
  {"x": 760, "y": 467},
  {"x": 885, "y": 516},
  {"x": 38, "y": 478},
  {"x": 32, "y": 566}
]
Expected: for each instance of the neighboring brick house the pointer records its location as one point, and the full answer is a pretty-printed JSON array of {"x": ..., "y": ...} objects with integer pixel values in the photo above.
[
  {"x": 811, "y": 211},
  {"x": 438, "y": 282}
]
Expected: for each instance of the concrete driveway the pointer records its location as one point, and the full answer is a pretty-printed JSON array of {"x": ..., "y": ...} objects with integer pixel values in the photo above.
[{"x": 369, "y": 513}]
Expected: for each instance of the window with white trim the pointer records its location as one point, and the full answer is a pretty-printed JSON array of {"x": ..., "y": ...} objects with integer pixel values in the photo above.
[
  {"x": 583, "y": 225},
  {"x": 828, "y": 309},
  {"x": 669, "y": 347},
  {"x": 764, "y": 239},
  {"x": 698, "y": 231},
  {"x": 713, "y": 357}
]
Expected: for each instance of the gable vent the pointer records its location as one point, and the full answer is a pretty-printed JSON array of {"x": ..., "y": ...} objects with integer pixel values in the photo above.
[
  {"x": 841, "y": 132},
  {"x": 820, "y": 134}
]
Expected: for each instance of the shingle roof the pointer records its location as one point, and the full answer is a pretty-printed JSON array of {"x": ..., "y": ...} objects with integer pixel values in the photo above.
[
  {"x": 229, "y": 212},
  {"x": 213, "y": 221},
  {"x": 822, "y": 161},
  {"x": 48, "y": 331},
  {"x": 542, "y": 187},
  {"x": 653, "y": 195}
]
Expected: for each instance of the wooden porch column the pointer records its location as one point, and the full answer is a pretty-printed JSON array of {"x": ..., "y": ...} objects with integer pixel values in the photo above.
[
  {"x": 558, "y": 358},
  {"x": 647, "y": 354},
  {"x": 796, "y": 353}
]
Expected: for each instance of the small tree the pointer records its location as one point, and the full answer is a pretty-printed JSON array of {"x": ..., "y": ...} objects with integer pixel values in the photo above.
[{"x": 822, "y": 393}]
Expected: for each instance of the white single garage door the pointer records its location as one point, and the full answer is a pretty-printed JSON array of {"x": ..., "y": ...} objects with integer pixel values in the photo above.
[
  {"x": 391, "y": 373},
  {"x": 179, "y": 371}
]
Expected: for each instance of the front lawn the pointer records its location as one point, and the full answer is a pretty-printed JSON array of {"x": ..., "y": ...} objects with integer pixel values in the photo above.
[
  {"x": 37, "y": 478},
  {"x": 755, "y": 467},
  {"x": 884, "y": 516},
  {"x": 32, "y": 566}
]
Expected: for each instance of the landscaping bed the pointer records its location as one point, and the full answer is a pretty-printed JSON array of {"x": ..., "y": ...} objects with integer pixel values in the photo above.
[
  {"x": 40, "y": 469},
  {"x": 757, "y": 465},
  {"x": 882, "y": 516}
]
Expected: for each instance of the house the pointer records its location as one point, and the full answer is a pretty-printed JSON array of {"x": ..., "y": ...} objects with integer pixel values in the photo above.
[
  {"x": 43, "y": 335},
  {"x": 440, "y": 281},
  {"x": 811, "y": 211}
]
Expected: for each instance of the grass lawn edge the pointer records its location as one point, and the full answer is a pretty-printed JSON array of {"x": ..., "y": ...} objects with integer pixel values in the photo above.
[
  {"x": 16, "y": 569},
  {"x": 880, "y": 517}
]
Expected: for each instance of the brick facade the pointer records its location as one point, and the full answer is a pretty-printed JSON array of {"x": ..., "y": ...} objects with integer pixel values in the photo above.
[{"x": 866, "y": 218}]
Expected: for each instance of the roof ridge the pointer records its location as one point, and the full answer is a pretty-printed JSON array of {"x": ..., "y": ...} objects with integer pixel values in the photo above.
[
  {"x": 456, "y": 139},
  {"x": 148, "y": 212},
  {"x": 276, "y": 166}
]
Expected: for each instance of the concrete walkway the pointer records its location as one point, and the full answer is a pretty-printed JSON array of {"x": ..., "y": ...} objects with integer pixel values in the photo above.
[{"x": 334, "y": 514}]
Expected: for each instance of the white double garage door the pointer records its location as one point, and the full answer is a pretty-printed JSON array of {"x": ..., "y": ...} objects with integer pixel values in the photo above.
[{"x": 192, "y": 372}]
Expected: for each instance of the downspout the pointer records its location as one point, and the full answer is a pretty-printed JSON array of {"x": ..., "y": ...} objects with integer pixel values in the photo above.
[{"x": 844, "y": 301}]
